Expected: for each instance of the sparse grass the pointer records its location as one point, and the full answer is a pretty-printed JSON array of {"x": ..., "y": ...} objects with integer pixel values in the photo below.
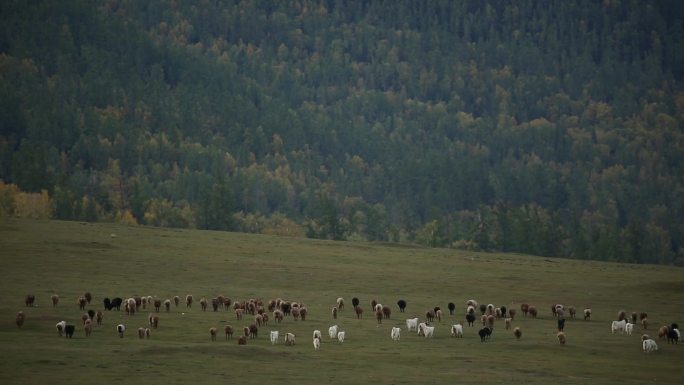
[{"x": 69, "y": 258}]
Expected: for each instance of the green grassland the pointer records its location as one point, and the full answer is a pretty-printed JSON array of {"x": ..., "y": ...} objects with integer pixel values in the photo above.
[{"x": 69, "y": 258}]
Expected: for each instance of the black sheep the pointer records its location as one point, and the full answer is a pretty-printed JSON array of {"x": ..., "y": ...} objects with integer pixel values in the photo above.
[
  {"x": 91, "y": 314},
  {"x": 355, "y": 302},
  {"x": 503, "y": 311},
  {"x": 451, "y": 307},
  {"x": 470, "y": 317},
  {"x": 402, "y": 305},
  {"x": 116, "y": 303},
  {"x": 107, "y": 304},
  {"x": 561, "y": 324},
  {"x": 484, "y": 333},
  {"x": 69, "y": 330}
]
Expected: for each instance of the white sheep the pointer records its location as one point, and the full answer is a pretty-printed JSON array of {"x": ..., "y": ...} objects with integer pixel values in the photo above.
[
  {"x": 649, "y": 345},
  {"x": 421, "y": 328},
  {"x": 628, "y": 328},
  {"x": 457, "y": 330},
  {"x": 412, "y": 324},
  {"x": 317, "y": 334},
  {"x": 332, "y": 331},
  {"x": 429, "y": 331},
  {"x": 341, "y": 335},
  {"x": 121, "y": 328},
  {"x": 396, "y": 333},
  {"x": 618, "y": 326},
  {"x": 317, "y": 343},
  {"x": 60, "y": 327},
  {"x": 289, "y": 339},
  {"x": 274, "y": 337}
]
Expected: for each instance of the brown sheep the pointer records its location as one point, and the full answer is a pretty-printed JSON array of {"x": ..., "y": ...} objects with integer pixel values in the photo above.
[
  {"x": 155, "y": 321},
  {"x": 265, "y": 318},
  {"x": 430, "y": 315},
  {"x": 259, "y": 319},
  {"x": 663, "y": 332},
  {"x": 289, "y": 339},
  {"x": 82, "y": 302},
  {"x": 215, "y": 304},
  {"x": 221, "y": 300},
  {"x": 295, "y": 313},
  {"x": 533, "y": 311},
  {"x": 642, "y": 316},
  {"x": 176, "y": 300},
  {"x": 253, "y": 331},
  {"x": 242, "y": 340},
  {"x": 30, "y": 300},
  {"x": 188, "y": 300},
  {"x": 157, "y": 304},
  {"x": 245, "y": 331},
  {"x": 524, "y": 308},
  {"x": 167, "y": 305},
  {"x": 302, "y": 313},
  {"x": 334, "y": 312},
  {"x": 212, "y": 333},
  {"x": 644, "y": 324},
  {"x": 634, "y": 317},
  {"x": 573, "y": 311},
  {"x": 20, "y": 319},
  {"x": 386, "y": 312},
  {"x": 378, "y": 316},
  {"x": 508, "y": 323},
  {"x": 373, "y": 303},
  {"x": 98, "y": 316},
  {"x": 359, "y": 311},
  {"x": 272, "y": 305},
  {"x": 511, "y": 313},
  {"x": 238, "y": 314},
  {"x": 621, "y": 315},
  {"x": 227, "y": 302},
  {"x": 203, "y": 303},
  {"x": 88, "y": 296},
  {"x": 278, "y": 316},
  {"x": 229, "y": 331},
  {"x": 517, "y": 333},
  {"x": 561, "y": 338},
  {"x": 490, "y": 321},
  {"x": 143, "y": 300},
  {"x": 147, "y": 333},
  {"x": 84, "y": 318},
  {"x": 55, "y": 300},
  {"x": 141, "y": 333},
  {"x": 438, "y": 315}
]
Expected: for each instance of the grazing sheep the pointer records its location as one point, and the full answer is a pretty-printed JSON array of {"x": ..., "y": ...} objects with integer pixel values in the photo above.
[
  {"x": 278, "y": 315},
  {"x": 259, "y": 320},
  {"x": 634, "y": 317},
  {"x": 228, "y": 330},
  {"x": 649, "y": 345},
  {"x": 470, "y": 318},
  {"x": 378, "y": 307},
  {"x": 355, "y": 302},
  {"x": 212, "y": 333},
  {"x": 316, "y": 343},
  {"x": 99, "y": 316},
  {"x": 332, "y": 331},
  {"x": 295, "y": 313},
  {"x": 504, "y": 311},
  {"x": 147, "y": 333},
  {"x": 130, "y": 306},
  {"x": 561, "y": 338},
  {"x": 618, "y": 326},
  {"x": 60, "y": 327},
  {"x": 215, "y": 304},
  {"x": 498, "y": 313},
  {"x": 532, "y": 311},
  {"x": 274, "y": 337},
  {"x": 107, "y": 303},
  {"x": 340, "y": 303},
  {"x": 373, "y": 303},
  {"x": 316, "y": 334},
  {"x": 359, "y": 311},
  {"x": 203, "y": 303},
  {"x": 484, "y": 333},
  {"x": 341, "y": 335},
  {"x": 561, "y": 324},
  {"x": 430, "y": 315},
  {"x": 402, "y": 305},
  {"x": 663, "y": 332},
  {"x": 84, "y": 318},
  {"x": 508, "y": 322},
  {"x": 82, "y": 302},
  {"x": 421, "y": 328},
  {"x": 286, "y": 307},
  {"x": 395, "y": 334},
  {"x": 471, "y": 302},
  {"x": 289, "y": 339},
  {"x": 245, "y": 331},
  {"x": 227, "y": 302},
  {"x": 238, "y": 314},
  {"x": 451, "y": 306},
  {"x": 21, "y": 317},
  {"x": 29, "y": 300},
  {"x": 69, "y": 330},
  {"x": 483, "y": 309},
  {"x": 378, "y": 316},
  {"x": 489, "y": 309},
  {"x": 573, "y": 311},
  {"x": 412, "y": 324},
  {"x": 524, "y": 308},
  {"x": 155, "y": 321},
  {"x": 264, "y": 318},
  {"x": 176, "y": 300},
  {"x": 429, "y": 331},
  {"x": 512, "y": 313},
  {"x": 253, "y": 331},
  {"x": 167, "y": 305},
  {"x": 490, "y": 321},
  {"x": 386, "y": 312},
  {"x": 55, "y": 300},
  {"x": 141, "y": 333},
  {"x": 334, "y": 312},
  {"x": 143, "y": 300},
  {"x": 91, "y": 314},
  {"x": 116, "y": 303},
  {"x": 457, "y": 331},
  {"x": 621, "y": 315},
  {"x": 673, "y": 336},
  {"x": 120, "y": 328},
  {"x": 587, "y": 314},
  {"x": 438, "y": 315},
  {"x": 157, "y": 305},
  {"x": 302, "y": 313},
  {"x": 242, "y": 340},
  {"x": 88, "y": 297},
  {"x": 642, "y": 316},
  {"x": 188, "y": 300},
  {"x": 628, "y": 328},
  {"x": 644, "y": 324},
  {"x": 517, "y": 333}
]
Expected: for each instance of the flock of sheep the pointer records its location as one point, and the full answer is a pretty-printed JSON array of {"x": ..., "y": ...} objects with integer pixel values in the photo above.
[{"x": 279, "y": 309}]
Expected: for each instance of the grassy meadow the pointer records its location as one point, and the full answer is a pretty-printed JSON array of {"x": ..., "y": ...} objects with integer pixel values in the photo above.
[{"x": 69, "y": 258}]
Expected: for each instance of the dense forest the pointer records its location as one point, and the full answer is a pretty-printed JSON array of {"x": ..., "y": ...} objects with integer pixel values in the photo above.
[{"x": 543, "y": 127}]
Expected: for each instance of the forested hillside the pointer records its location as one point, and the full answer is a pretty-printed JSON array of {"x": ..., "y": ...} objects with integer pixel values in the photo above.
[{"x": 544, "y": 127}]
